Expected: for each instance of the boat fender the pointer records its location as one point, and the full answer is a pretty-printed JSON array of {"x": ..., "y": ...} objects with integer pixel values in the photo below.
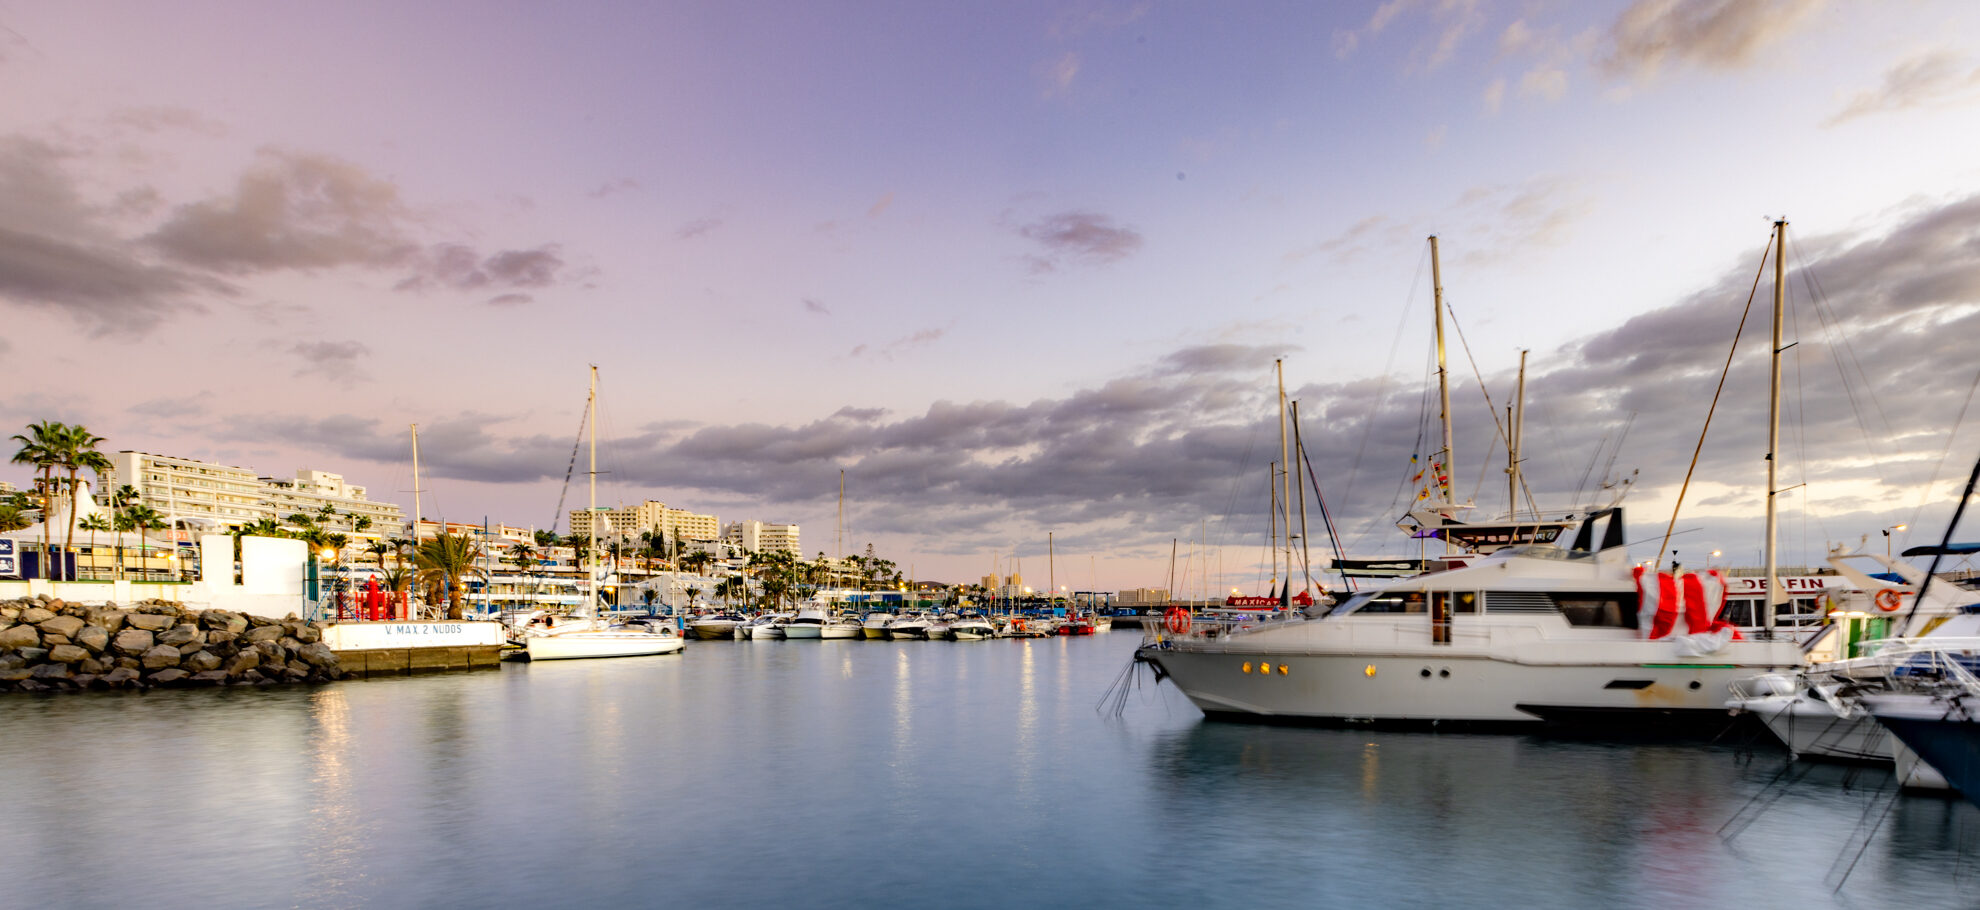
[
  {"x": 1178, "y": 621},
  {"x": 1887, "y": 600}
]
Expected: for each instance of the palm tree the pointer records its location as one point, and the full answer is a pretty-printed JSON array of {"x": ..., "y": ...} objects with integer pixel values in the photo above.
[
  {"x": 94, "y": 523},
  {"x": 545, "y": 538},
  {"x": 261, "y": 527},
  {"x": 442, "y": 562},
  {"x": 37, "y": 450},
  {"x": 12, "y": 509},
  {"x": 325, "y": 514},
  {"x": 143, "y": 517},
  {"x": 360, "y": 523},
  {"x": 523, "y": 557},
  {"x": 696, "y": 561},
  {"x": 731, "y": 588},
  {"x": 79, "y": 453}
]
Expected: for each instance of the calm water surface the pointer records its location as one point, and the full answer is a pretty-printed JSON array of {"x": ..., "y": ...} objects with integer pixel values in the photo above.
[{"x": 911, "y": 774}]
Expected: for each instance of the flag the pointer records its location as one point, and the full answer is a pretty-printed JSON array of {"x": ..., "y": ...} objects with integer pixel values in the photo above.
[{"x": 1695, "y": 598}]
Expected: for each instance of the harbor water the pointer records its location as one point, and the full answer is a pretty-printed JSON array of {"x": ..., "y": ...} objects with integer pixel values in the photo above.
[{"x": 905, "y": 774}]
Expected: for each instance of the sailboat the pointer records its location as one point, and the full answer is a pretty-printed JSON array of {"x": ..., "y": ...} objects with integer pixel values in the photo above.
[
  {"x": 585, "y": 633},
  {"x": 1525, "y": 635}
]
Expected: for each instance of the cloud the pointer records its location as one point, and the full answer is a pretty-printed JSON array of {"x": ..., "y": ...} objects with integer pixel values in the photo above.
[
  {"x": 510, "y": 300},
  {"x": 1941, "y": 77},
  {"x": 1713, "y": 34},
  {"x": 170, "y": 408},
  {"x": 58, "y": 252},
  {"x": 1495, "y": 95},
  {"x": 813, "y": 306},
  {"x": 613, "y": 187},
  {"x": 1122, "y": 464},
  {"x": 898, "y": 345},
  {"x": 1079, "y": 237},
  {"x": 292, "y": 211},
  {"x": 460, "y": 267},
  {"x": 1057, "y": 74},
  {"x": 697, "y": 228},
  {"x": 1452, "y": 23},
  {"x": 881, "y": 205},
  {"x": 333, "y": 359},
  {"x": 167, "y": 119},
  {"x": 1545, "y": 82},
  {"x": 1505, "y": 219}
]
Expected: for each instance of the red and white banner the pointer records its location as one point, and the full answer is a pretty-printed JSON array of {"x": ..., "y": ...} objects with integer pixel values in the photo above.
[{"x": 1694, "y": 599}]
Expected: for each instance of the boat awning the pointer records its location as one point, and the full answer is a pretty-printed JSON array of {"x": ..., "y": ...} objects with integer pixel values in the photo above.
[{"x": 1953, "y": 549}]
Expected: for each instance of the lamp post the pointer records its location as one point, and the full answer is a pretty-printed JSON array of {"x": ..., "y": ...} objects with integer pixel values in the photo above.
[
  {"x": 1708, "y": 560},
  {"x": 1887, "y": 538}
]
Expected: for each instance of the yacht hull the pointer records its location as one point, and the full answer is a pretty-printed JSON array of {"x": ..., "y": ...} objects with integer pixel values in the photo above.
[
  {"x": 802, "y": 631},
  {"x": 578, "y": 645},
  {"x": 1248, "y": 677}
]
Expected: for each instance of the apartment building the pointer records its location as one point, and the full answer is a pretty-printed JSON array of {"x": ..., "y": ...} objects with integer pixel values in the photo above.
[
  {"x": 310, "y": 491},
  {"x": 200, "y": 493},
  {"x": 763, "y": 537},
  {"x": 628, "y": 522}
]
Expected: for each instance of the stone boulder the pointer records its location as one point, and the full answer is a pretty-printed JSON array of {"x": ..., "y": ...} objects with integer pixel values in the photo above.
[
  {"x": 223, "y": 621},
  {"x": 317, "y": 654},
  {"x": 94, "y": 638},
  {"x": 202, "y": 661},
  {"x": 243, "y": 662},
  {"x": 120, "y": 677},
  {"x": 50, "y": 671},
  {"x": 91, "y": 665},
  {"x": 19, "y": 637},
  {"x": 208, "y": 678},
  {"x": 33, "y": 655},
  {"x": 161, "y": 657},
  {"x": 182, "y": 634},
  {"x": 132, "y": 642},
  {"x": 265, "y": 633},
  {"x": 66, "y": 654},
  {"x": 110, "y": 620},
  {"x": 220, "y": 636},
  {"x": 166, "y": 677},
  {"x": 150, "y": 622},
  {"x": 35, "y": 616},
  {"x": 308, "y": 633},
  {"x": 14, "y": 674},
  {"x": 65, "y": 626}
]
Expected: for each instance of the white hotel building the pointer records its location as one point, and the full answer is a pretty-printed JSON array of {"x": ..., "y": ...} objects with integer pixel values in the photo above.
[
  {"x": 204, "y": 494},
  {"x": 762, "y": 537},
  {"x": 628, "y": 522}
]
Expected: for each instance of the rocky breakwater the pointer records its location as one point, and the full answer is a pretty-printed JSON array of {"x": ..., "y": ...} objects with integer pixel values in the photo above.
[{"x": 49, "y": 645}]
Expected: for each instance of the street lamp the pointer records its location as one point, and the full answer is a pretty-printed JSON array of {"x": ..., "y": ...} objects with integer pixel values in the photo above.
[
  {"x": 1887, "y": 538},
  {"x": 1708, "y": 560}
]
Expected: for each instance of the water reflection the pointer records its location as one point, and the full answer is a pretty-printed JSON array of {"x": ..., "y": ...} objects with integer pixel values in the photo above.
[{"x": 861, "y": 774}]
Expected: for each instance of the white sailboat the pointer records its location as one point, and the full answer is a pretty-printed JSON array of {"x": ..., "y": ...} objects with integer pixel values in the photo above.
[{"x": 587, "y": 634}]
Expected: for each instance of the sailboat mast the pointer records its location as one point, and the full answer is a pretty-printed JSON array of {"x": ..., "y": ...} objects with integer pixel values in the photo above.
[
  {"x": 415, "y": 525},
  {"x": 1285, "y": 465},
  {"x": 1051, "y": 571},
  {"x": 1305, "y": 553},
  {"x": 1515, "y": 428},
  {"x": 1443, "y": 464},
  {"x": 591, "y": 425},
  {"x": 1774, "y": 420}
]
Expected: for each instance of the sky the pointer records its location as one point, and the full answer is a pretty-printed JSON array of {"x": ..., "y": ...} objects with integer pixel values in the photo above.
[{"x": 1017, "y": 269}]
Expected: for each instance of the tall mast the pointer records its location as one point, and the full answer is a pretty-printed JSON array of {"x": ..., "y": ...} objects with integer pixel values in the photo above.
[
  {"x": 839, "y": 532},
  {"x": 415, "y": 492},
  {"x": 591, "y": 425},
  {"x": 1305, "y": 554},
  {"x": 1443, "y": 386},
  {"x": 1774, "y": 419},
  {"x": 1515, "y": 428},
  {"x": 1285, "y": 465},
  {"x": 1051, "y": 570}
]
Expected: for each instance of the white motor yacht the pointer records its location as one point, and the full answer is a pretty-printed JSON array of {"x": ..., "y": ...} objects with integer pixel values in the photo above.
[
  {"x": 972, "y": 627},
  {"x": 809, "y": 623},
  {"x": 842, "y": 627},
  {"x": 875, "y": 624},
  {"x": 765, "y": 627},
  {"x": 908, "y": 625},
  {"x": 716, "y": 625},
  {"x": 566, "y": 638},
  {"x": 1525, "y": 635}
]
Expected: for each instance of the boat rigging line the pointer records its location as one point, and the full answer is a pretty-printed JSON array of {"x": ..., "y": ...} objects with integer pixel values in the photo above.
[
  {"x": 571, "y": 469},
  {"x": 1714, "y": 407}
]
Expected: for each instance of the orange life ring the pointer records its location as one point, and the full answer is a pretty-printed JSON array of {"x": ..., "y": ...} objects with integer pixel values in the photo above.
[
  {"x": 1177, "y": 621},
  {"x": 1887, "y": 600}
]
